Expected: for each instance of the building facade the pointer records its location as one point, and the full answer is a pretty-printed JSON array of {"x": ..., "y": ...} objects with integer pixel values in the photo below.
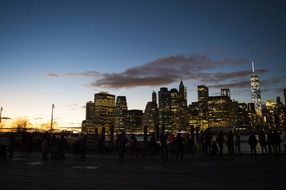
[{"x": 255, "y": 91}]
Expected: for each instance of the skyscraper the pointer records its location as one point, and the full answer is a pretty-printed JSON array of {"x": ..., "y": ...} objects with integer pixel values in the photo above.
[
  {"x": 104, "y": 109},
  {"x": 225, "y": 92},
  {"x": 100, "y": 113},
  {"x": 120, "y": 112},
  {"x": 134, "y": 120},
  {"x": 154, "y": 97},
  {"x": 255, "y": 91},
  {"x": 90, "y": 108},
  {"x": 165, "y": 108},
  {"x": 203, "y": 93}
]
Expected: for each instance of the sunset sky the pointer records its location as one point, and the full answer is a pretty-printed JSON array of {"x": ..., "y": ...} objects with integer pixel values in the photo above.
[{"x": 63, "y": 51}]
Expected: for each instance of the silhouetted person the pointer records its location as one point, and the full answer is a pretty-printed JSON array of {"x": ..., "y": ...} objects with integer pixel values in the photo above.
[
  {"x": 252, "y": 141},
  {"x": 101, "y": 142},
  {"x": 171, "y": 140},
  {"x": 164, "y": 146},
  {"x": 230, "y": 143},
  {"x": 62, "y": 146},
  {"x": 283, "y": 140},
  {"x": 11, "y": 146},
  {"x": 121, "y": 143},
  {"x": 191, "y": 143},
  {"x": 76, "y": 147},
  {"x": 200, "y": 143},
  {"x": 45, "y": 146},
  {"x": 133, "y": 146},
  {"x": 262, "y": 142},
  {"x": 27, "y": 143},
  {"x": 270, "y": 141},
  {"x": 4, "y": 142},
  {"x": 180, "y": 146},
  {"x": 54, "y": 147},
  {"x": 83, "y": 146},
  {"x": 145, "y": 144},
  {"x": 220, "y": 142},
  {"x": 214, "y": 149},
  {"x": 96, "y": 140},
  {"x": 153, "y": 145},
  {"x": 237, "y": 144},
  {"x": 208, "y": 140},
  {"x": 276, "y": 142}
]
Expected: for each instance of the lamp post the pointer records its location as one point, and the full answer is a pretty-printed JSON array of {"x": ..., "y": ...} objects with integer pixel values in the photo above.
[
  {"x": 52, "y": 117},
  {"x": 1, "y": 114}
]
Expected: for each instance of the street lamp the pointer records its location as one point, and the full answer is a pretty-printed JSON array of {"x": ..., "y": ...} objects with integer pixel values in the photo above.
[
  {"x": 52, "y": 117},
  {"x": 1, "y": 114}
]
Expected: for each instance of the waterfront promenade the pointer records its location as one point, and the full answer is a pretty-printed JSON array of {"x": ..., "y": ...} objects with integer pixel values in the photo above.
[{"x": 106, "y": 172}]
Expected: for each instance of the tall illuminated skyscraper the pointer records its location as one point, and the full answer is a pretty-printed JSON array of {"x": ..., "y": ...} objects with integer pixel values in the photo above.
[{"x": 255, "y": 91}]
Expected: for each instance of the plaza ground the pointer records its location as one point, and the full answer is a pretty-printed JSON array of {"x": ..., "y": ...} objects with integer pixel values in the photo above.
[{"x": 106, "y": 172}]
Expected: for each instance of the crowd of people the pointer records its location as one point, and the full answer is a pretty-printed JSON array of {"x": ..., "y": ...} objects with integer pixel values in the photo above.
[{"x": 54, "y": 146}]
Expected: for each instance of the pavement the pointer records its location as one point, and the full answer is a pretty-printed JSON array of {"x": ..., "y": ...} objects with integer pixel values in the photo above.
[{"x": 106, "y": 172}]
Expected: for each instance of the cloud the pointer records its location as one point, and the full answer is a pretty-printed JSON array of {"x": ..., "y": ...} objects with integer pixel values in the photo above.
[
  {"x": 166, "y": 71},
  {"x": 5, "y": 118},
  {"x": 84, "y": 74},
  {"x": 241, "y": 84},
  {"x": 199, "y": 68},
  {"x": 52, "y": 75}
]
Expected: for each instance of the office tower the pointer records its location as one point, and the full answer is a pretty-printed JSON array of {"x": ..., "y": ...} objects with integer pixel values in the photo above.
[
  {"x": 104, "y": 109},
  {"x": 151, "y": 116},
  {"x": 182, "y": 92},
  {"x": 120, "y": 112},
  {"x": 203, "y": 93},
  {"x": 220, "y": 111},
  {"x": 165, "y": 108},
  {"x": 278, "y": 101},
  {"x": 90, "y": 111},
  {"x": 176, "y": 108},
  {"x": 154, "y": 97},
  {"x": 203, "y": 96},
  {"x": 255, "y": 91},
  {"x": 134, "y": 120},
  {"x": 225, "y": 92}
]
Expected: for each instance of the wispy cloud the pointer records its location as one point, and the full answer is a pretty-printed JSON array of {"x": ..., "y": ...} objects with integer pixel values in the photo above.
[
  {"x": 84, "y": 74},
  {"x": 165, "y": 71},
  {"x": 199, "y": 68},
  {"x": 240, "y": 84}
]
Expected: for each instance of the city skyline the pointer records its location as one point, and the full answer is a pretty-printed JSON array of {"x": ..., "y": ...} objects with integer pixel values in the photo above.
[{"x": 63, "y": 52}]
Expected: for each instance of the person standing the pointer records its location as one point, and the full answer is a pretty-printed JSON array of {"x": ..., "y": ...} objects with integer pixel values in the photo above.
[
  {"x": 220, "y": 142},
  {"x": 121, "y": 142},
  {"x": 270, "y": 141},
  {"x": 283, "y": 140},
  {"x": 180, "y": 146},
  {"x": 45, "y": 146},
  {"x": 262, "y": 142},
  {"x": 277, "y": 142},
  {"x": 11, "y": 146},
  {"x": 252, "y": 141},
  {"x": 164, "y": 146},
  {"x": 230, "y": 143},
  {"x": 133, "y": 146},
  {"x": 237, "y": 144}
]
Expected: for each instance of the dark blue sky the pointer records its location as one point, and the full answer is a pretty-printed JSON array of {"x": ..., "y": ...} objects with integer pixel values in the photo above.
[{"x": 54, "y": 49}]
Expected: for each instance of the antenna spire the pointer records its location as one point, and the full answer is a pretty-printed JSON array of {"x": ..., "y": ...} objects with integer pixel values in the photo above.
[{"x": 253, "y": 67}]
